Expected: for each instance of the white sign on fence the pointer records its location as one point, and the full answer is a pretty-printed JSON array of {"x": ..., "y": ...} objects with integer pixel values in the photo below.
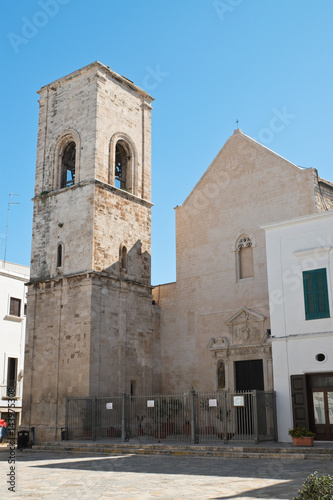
[
  {"x": 150, "y": 403},
  {"x": 239, "y": 401},
  {"x": 213, "y": 402},
  {"x": 109, "y": 406}
]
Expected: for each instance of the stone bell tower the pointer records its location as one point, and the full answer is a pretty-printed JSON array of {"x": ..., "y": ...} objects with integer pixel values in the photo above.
[{"x": 90, "y": 313}]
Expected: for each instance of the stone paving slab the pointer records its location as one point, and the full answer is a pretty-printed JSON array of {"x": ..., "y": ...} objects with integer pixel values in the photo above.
[{"x": 41, "y": 475}]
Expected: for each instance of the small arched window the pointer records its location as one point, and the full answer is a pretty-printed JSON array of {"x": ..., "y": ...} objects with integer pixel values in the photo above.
[
  {"x": 123, "y": 258},
  {"x": 245, "y": 257},
  {"x": 68, "y": 165},
  {"x": 220, "y": 375},
  {"x": 59, "y": 255}
]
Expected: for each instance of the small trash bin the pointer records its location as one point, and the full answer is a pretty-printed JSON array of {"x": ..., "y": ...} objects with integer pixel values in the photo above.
[
  {"x": 64, "y": 436},
  {"x": 22, "y": 439}
]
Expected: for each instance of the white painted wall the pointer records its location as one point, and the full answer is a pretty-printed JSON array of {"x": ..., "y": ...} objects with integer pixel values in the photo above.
[
  {"x": 12, "y": 329},
  {"x": 293, "y": 247}
]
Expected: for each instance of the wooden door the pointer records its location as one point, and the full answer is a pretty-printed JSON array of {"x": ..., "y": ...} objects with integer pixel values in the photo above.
[{"x": 299, "y": 400}]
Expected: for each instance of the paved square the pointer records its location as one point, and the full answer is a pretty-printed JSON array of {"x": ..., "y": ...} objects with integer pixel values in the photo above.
[{"x": 129, "y": 477}]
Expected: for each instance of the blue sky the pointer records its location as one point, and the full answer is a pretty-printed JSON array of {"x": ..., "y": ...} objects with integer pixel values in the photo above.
[{"x": 206, "y": 62}]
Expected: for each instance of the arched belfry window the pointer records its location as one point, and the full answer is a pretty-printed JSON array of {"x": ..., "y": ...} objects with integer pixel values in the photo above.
[
  {"x": 122, "y": 164},
  {"x": 245, "y": 257},
  {"x": 68, "y": 165},
  {"x": 121, "y": 167}
]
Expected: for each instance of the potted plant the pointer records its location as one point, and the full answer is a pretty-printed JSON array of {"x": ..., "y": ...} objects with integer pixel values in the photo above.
[
  {"x": 187, "y": 428},
  {"x": 165, "y": 410},
  {"x": 86, "y": 423},
  {"x": 140, "y": 419},
  {"x": 302, "y": 436}
]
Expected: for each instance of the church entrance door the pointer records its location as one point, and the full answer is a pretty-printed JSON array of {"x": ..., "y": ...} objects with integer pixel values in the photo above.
[{"x": 249, "y": 375}]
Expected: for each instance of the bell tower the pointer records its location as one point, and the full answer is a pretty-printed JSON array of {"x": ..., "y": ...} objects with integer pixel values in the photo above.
[{"x": 90, "y": 315}]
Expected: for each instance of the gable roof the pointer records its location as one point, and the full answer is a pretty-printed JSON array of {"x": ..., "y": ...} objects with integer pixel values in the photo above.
[{"x": 239, "y": 135}]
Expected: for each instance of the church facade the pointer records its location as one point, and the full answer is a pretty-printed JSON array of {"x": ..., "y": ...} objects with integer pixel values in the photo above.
[
  {"x": 95, "y": 325},
  {"x": 215, "y": 318}
]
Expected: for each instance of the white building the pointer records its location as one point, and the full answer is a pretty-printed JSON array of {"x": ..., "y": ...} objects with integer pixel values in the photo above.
[
  {"x": 13, "y": 324},
  {"x": 300, "y": 280}
]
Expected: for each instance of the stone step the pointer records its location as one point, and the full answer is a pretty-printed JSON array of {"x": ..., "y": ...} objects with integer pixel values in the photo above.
[{"x": 195, "y": 450}]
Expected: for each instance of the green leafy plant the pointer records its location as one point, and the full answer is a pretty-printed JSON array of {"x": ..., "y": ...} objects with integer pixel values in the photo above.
[
  {"x": 301, "y": 432},
  {"x": 316, "y": 487}
]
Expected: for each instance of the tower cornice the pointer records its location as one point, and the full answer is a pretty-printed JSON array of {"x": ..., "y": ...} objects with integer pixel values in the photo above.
[
  {"x": 96, "y": 182},
  {"x": 107, "y": 71}
]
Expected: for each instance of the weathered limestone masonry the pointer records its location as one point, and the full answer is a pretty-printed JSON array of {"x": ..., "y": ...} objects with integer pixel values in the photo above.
[
  {"x": 215, "y": 318},
  {"x": 91, "y": 322}
]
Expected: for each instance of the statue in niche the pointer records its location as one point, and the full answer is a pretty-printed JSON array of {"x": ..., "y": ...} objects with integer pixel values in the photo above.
[{"x": 220, "y": 375}]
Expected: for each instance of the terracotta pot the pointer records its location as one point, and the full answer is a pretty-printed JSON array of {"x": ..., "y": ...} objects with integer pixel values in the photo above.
[
  {"x": 187, "y": 429},
  {"x": 112, "y": 432},
  {"x": 169, "y": 427},
  {"x": 303, "y": 441}
]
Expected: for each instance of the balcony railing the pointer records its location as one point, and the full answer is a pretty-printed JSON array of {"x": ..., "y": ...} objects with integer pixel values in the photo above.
[{"x": 11, "y": 389}]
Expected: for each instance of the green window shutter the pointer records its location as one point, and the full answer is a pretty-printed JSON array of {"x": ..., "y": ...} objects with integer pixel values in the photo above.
[
  {"x": 322, "y": 294},
  {"x": 316, "y": 294}
]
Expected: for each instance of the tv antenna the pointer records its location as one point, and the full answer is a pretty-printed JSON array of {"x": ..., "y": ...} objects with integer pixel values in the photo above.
[{"x": 10, "y": 203}]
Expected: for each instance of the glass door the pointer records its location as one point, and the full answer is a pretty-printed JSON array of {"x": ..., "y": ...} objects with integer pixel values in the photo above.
[{"x": 322, "y": 406}]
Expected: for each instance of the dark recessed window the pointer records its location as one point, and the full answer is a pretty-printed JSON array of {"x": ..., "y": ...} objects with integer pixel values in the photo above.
[
  {"x": 59, "y": 255},
  {"x": 15, "y": 307},
  {"x": 124, "y": 258}
]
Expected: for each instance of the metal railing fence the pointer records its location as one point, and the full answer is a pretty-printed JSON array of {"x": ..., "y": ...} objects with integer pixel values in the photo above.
[{"x": 243, "y": 417}]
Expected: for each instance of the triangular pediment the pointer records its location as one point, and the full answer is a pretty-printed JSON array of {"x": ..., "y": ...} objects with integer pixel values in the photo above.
[
  {"x": 237, "y": 152},
  {"x": 245, "y": 314}
]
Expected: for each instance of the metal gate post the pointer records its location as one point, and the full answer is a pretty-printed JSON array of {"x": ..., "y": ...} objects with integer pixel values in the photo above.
[
  {"x": 66, "y": 417},
  {"x": 93, "y": 418},
  {"x": 225, "y": 413},
  {"x": 255, "y": 417},
  {"x": 159, "y": 418},
  {"x": 193, "y": 430},
  {"x": 123, "y": 421},
  {"x": 274, "y": 416}
]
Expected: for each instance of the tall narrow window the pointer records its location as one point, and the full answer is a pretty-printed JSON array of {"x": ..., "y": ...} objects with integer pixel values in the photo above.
[
  {"x": 124, "y": 258},
  {"x": 316, "y": 294},
  {"x": 11, "y": 376},
  {"x": 220, "y": 375},
  {"x": 133, "y": 388},
  {"x": 121, "y": 166},
  {"x": 59, "y": 255},
  {"x": 15, "y": 307},
  {"x": 68, "y": 165},
  {"x": 245, "y": 258}
]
